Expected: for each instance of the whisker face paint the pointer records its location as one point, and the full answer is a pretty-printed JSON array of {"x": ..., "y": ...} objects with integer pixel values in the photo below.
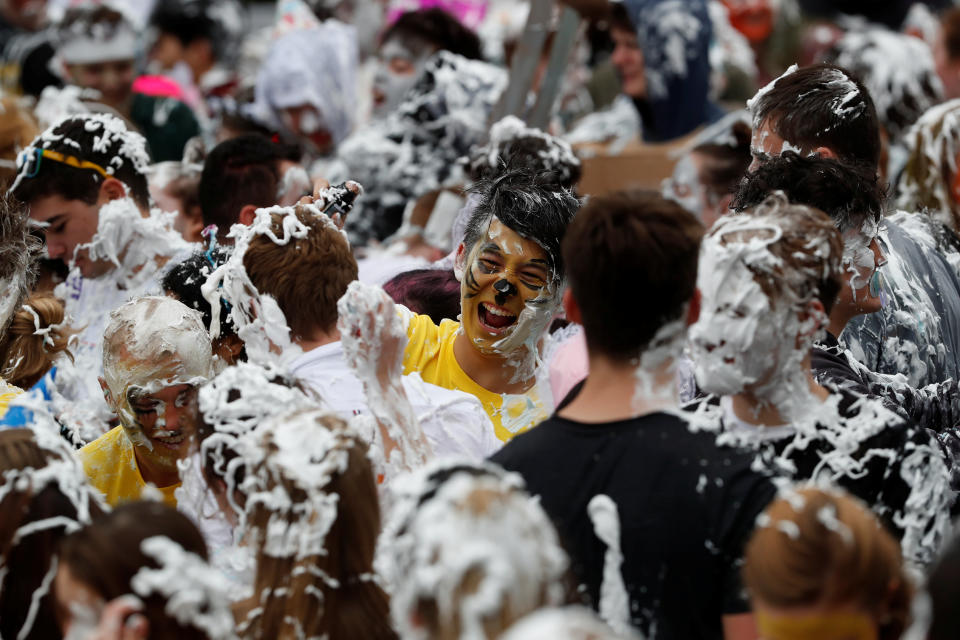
[{"x": 507, "y": 296}]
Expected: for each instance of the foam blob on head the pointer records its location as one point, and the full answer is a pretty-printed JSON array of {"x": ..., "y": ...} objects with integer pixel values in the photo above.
[
  {"x": 444, "y": 552},
  {"x": 153, "y": 342},
  {"x": 759, "y": 272}
]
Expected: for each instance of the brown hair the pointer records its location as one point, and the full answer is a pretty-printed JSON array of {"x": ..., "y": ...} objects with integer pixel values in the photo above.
[
  {"x": 724, "y": 164},
  {"x": 950, "y": 23},
  {"x": 306, "y": 276},
  {"x": 26, "y": 353},
  {"x": 107, "y": 555},
  {"x": 818, "y": 547},
  {"x": 27, "y": 561},
  {"x": 636, "y": 248},
  {"x": 300, "y": 588},
  {"x": 803, "y": 268}
]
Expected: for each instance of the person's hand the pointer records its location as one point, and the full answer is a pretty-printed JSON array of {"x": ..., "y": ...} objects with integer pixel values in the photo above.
[
  {"x": 372, "y": 335},
  {"x": 122, "y": 619},
  {"x": 335, "y": 201}
]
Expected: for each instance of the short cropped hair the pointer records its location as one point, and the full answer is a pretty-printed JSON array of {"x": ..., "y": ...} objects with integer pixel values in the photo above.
[
  {"x": 848, "y": 192},
  {"x": 438, "y": 28},
  {"x": 631, "y": 261},
  {"x": 306, "y": 276},
  {"x": 101, "y": 139},
  {"x": 822, "y": 105},
  {"x": 530, "y": 204},
  {"x": 236, "y": 173}
]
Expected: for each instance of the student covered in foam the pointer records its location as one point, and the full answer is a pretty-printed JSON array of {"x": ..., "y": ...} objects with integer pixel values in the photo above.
[
  {"x": 768, "y": 278},
  {"x": 467, "y": 552},
  {"x": 45, "y": 496},
  {"x": 852, "y": 196},
  {"x": 84, "y": 183},
  {"x": 511, "y": 275},
  {"x": 143, "y": 567},
  {"x": 280, "y": 258},
  {"x": 312, "y": 518},
  {"x": 156, "y": 352},
  {"x": 824, "y": 110},
  {"x": 619, "y": 471},
  {"x": 97, "y": 47}
]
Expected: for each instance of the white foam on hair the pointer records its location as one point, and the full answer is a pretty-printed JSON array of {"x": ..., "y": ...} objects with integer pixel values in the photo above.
[
  {"x": 196, "y": 594},
  {"x": 428, "y": 550}
]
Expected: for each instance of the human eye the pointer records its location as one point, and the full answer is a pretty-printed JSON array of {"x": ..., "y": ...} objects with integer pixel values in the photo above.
[{"x": 488, "y": 264}]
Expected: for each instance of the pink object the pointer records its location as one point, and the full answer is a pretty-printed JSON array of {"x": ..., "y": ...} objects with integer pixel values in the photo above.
[
  {"x": 470, "y": 13},
  {"x": 569, "y": 366},
  {"x": 161, "y": 86}
]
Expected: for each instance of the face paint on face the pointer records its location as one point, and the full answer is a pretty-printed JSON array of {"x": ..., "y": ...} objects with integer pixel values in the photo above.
[
  {"x": 508, "y": 293},
  {"x": 400, "y": 65}
]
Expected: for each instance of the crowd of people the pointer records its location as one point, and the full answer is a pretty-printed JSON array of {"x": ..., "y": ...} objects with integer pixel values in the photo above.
[{"x": 328, "y": 328}]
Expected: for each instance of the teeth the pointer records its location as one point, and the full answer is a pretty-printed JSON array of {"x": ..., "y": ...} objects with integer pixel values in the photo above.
[{"x": 496, "y": 312}]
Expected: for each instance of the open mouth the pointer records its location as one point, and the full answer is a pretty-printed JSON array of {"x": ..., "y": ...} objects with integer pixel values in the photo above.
[
  {"x": 172, "y": 441},
  {"x": 493, "y": 318},
  {"x": 378, "y": 97}
]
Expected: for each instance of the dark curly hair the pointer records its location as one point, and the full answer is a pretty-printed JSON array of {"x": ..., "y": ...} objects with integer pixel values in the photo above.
[
  {"x": 848, "y": 192},
  {"x": 438, "y": 28}
]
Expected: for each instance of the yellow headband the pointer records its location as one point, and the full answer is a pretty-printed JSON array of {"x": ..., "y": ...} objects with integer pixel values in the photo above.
[
  {"x": 838, "y": 626},
  {"x": 38, "y": 155}
]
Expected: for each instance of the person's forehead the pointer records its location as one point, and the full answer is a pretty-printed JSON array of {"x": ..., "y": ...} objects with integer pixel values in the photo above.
[
  {"x": 45, "y": 207},
  {"x": 511, "y": 242}
]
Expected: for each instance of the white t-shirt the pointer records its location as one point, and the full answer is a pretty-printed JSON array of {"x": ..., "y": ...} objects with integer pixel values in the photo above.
[{"x": 454, "y": 422}]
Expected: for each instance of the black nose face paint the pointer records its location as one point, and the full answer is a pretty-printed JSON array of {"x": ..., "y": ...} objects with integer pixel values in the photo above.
[{"x": 504, "y": 289}]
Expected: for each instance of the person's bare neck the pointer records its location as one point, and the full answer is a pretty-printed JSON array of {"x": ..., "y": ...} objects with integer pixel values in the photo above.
[
  {"x": 615, "y": 391},
  {"x": 317, "y": 339},
  {"x": 784, "y": 404},
  {"x": 159, "y": 476},
  {"x": 494, "y": 373}
]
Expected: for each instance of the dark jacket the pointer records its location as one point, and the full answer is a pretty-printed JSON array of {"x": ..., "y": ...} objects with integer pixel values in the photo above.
[{"x": 677, "y": 100}]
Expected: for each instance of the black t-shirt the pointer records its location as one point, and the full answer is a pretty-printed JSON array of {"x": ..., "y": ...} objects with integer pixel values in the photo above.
[
  {"x": 686, "y": 507},
  {"x": 895, "y": 467}
]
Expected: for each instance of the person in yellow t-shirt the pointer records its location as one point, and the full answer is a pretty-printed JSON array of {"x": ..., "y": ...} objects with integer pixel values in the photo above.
[
  {"x": 155, "y": 351},
  {"x": 511, "y": 273}
]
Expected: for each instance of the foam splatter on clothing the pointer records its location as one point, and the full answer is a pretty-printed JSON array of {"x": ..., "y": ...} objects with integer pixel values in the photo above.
[{"x": 430, "y": 352}]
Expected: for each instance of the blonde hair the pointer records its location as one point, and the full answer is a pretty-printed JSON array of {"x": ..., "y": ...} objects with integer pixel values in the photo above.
[
  {"x": 36, "y": 336},
  {"x": 816, "y": 547}
]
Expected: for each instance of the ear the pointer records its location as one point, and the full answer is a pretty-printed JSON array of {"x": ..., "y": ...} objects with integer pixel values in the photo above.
[
  {"x": 825, "y": 152},
  {"x": 193, "y": 226},
  {"x": 113, "y": 189},
  {"x": 106, "y": 391},
  {"x": 247, "y": 215},
  {"x": 693, "y": 311},
  {"x": 460, "y": 262},
  {"x": 571, "y": 308}
]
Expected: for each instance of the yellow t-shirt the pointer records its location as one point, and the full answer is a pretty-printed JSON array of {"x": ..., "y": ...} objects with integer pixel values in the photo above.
[
  {"x": 430, "y": 352},
  {"x": 112, "y": 469},
  {"x": 7, "y": 393}
]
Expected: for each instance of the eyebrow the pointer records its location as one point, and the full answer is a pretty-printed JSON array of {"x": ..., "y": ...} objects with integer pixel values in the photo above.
[
  {"x": 490, "y": 246},
  {"x": 49, "y": 222}
]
